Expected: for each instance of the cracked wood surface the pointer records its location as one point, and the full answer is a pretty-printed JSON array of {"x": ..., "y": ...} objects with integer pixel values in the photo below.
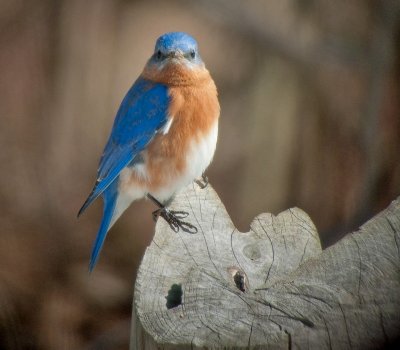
[{"x": 272, "y": 287}]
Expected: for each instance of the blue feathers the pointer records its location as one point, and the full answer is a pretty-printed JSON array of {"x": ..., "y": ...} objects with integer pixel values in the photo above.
[
  {"x": 143, "y": 111},
  {"x": 110, "y": 196},
  {"x": 176, "y": 41},
  {"x": 169, "y": 44}
]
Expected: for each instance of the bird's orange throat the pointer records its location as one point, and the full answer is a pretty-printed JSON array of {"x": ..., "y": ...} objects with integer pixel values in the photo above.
[{"x": 177, "y": 74}]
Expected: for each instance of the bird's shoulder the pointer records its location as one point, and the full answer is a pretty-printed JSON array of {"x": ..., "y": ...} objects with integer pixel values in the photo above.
[{"x": 143, "y": 106}]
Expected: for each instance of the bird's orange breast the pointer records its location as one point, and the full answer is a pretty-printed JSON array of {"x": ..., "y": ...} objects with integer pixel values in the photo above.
[{"x": 194, "y": 108}]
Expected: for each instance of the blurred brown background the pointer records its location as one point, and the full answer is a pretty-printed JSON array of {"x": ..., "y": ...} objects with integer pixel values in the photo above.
[{"x": 310, "y": 97}]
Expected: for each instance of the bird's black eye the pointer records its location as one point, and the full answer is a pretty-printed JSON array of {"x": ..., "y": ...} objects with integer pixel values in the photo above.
[
  {"x": 159, "y": 54},
  {"x": 192, "y": 54}
]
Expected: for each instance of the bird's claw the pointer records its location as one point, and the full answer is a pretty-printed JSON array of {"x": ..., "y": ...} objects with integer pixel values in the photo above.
[
  {"x": 203, "y": 182},
  {"x": 174, "y": 219}
]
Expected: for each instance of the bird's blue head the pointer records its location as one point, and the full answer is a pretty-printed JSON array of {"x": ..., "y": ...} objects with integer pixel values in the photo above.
[{"x": 178, "y": 48}]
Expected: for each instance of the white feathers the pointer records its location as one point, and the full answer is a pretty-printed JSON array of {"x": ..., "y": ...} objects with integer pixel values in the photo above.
[
  {"x": 201, "y": 154},
  {"x": 167, "y": 126},
  {"x": 123, "y": 201},
  {"x": 141, "y": 170},
  {"x": 127, "y": 194},
  {"x": 198, "y": 158}
]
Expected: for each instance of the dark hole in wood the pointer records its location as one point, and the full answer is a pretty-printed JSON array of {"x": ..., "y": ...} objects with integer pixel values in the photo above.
[
  {"x": 174, "y": 297},
  {"x": 240, "y": 281}
]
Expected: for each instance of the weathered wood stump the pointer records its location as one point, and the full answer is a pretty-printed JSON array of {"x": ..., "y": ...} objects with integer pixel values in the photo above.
[{"x": 272, "y": 287}]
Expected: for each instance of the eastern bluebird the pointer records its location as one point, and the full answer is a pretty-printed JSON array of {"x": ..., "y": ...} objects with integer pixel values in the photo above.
[{"x": 164, "y": 136}]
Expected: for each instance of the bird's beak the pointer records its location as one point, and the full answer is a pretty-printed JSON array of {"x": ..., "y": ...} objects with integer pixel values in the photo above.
[{"x": 175, "y": 54}]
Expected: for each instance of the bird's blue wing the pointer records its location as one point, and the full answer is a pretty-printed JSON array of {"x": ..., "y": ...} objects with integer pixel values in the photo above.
[{"x": 143, "y": 111}]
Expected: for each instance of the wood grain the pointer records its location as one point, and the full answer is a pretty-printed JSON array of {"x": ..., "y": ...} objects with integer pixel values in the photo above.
[{"x": 271, "y": 287}]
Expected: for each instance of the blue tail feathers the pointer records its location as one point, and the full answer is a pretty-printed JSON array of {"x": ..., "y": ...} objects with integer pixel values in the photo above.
[{"x": 110, "y": 196}]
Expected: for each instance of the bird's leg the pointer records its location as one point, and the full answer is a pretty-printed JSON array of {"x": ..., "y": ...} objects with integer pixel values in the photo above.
[
  {"x": 203, "y": 182},
  {"x": 172, "y": 217},
  {"x": 155, "y": 201}
]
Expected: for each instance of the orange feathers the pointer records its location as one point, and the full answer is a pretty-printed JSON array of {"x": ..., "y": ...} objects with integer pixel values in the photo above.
[{"x": 194, "y": 109}]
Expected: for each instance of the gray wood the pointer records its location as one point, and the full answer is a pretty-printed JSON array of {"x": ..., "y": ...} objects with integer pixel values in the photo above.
[{"x": 295, "y": 295}]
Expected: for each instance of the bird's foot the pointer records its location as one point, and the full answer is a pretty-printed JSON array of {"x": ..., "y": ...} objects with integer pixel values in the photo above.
[
  {"x": 203, "y": 182},
  {"x": 174, "y": 219}
]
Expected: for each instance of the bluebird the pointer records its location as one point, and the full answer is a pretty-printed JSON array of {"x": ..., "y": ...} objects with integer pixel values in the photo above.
[{"x": 163, "y": 138}]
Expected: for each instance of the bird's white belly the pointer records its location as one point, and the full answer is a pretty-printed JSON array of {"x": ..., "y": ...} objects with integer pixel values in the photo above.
[{"x": 198, "y": 157}]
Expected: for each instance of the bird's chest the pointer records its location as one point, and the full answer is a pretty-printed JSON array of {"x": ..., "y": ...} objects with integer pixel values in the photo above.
[
  {"x": 169, "y": 171},
  {"x": 183, "y": 150}
]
